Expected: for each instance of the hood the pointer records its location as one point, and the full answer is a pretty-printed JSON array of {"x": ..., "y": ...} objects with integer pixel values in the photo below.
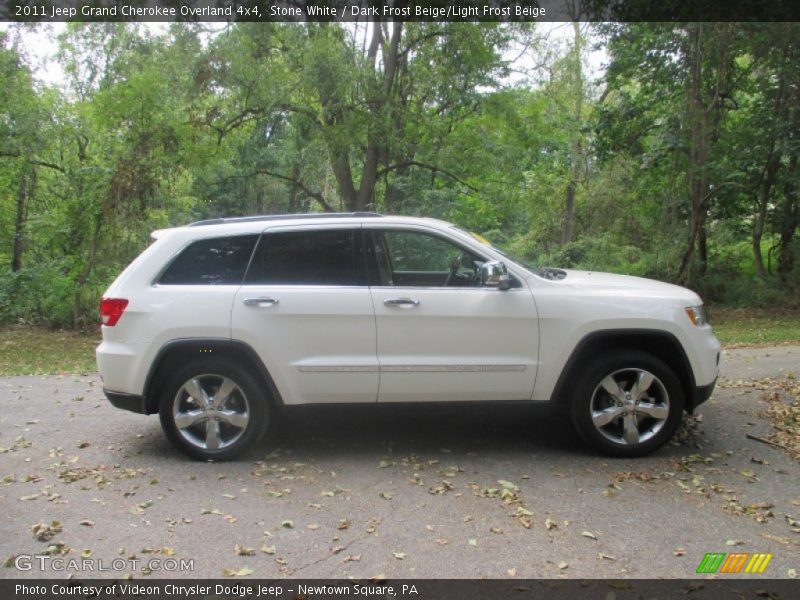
[{"x": 626, "y": 285}]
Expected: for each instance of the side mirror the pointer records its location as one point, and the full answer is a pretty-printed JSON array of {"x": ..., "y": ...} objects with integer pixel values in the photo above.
[{"x": 495, "y": 274}]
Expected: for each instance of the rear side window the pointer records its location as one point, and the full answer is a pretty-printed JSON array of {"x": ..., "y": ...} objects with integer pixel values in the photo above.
[
  {"x": 216, "y": 261},
  {"x": 305, "y": 258}
]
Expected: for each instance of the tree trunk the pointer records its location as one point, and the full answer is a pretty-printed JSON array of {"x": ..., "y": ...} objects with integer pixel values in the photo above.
[
  {"x": 569, "y": 211},
  {"x": 19, "y": 224},
  {"x": 704, "y": 117},
  {"x": 762, "y": 201},
  {"x": 576, "y": 150},
  {"x": 789, "y": 221}
]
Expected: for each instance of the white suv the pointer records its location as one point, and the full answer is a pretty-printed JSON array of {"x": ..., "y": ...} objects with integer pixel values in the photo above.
[{"x": 219, "y": 324}]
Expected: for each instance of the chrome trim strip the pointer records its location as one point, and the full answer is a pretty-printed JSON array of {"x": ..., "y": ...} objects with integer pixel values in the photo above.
[
  {"x": 412, "y": 369},
  {"x": 452, "y": 368},
  {"x": 338, "y": 369}
]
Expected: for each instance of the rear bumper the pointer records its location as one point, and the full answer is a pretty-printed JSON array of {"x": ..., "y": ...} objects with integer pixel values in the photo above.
[{"x": 131, "y": 402}]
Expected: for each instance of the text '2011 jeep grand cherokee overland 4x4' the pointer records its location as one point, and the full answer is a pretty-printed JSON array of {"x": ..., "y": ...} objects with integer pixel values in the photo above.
[{"x": 220, "y": 323}]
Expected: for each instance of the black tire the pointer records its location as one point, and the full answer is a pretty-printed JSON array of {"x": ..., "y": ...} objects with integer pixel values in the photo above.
[
  {"x": 655, "y": 417},
  {"x": 241, "y": 422}
]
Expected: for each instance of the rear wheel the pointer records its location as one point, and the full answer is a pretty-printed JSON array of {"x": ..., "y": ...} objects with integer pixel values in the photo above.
[
  {"x": 213, "y": 409},
  {"x": 627, "y": 403}
]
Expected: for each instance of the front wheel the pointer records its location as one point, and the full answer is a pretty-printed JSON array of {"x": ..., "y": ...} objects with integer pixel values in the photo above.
[
  {"x": 627, "y": 403},
  {"x": 213, "y": 409}
]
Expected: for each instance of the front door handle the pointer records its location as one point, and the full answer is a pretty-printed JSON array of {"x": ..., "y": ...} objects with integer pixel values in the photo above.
[
  {"x": 260, "y": 301},
  {"x": 401, "y": 302}
]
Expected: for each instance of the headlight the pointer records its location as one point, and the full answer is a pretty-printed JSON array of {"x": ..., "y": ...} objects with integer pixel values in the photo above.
[{"x": 697, "y": 315}]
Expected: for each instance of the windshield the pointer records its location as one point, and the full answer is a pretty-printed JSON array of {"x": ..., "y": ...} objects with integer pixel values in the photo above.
[{"x": 479, "y": 238}]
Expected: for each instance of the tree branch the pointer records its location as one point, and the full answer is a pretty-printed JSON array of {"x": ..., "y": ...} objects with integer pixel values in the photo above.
[
  {"x": 306, "y": 190},
  {"x": 421, "y": 165},
  {"x": 33, "y": 161}
]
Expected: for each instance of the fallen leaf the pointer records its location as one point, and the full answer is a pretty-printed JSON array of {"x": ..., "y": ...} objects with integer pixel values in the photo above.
[
  {"x": 508, "y": 485},
  {"x": 312, "y": 526},
  {"x": 588, "y": 534},
  {"x": 734, "y": 543},
  {"x": 679, "y": 552},
  {"x": 352, "y": 558},
  {"x": 243, "y": 550},
  {"x": 243, "y": 572},
  {"x": 343, "y": 524},
  {"x": 287, "y": 524},
  {"x": 473, "y": 542},
  {"x": 606, "y": 556},
  {"x": 563, "y": 565},
  {"x": 550, "y": 524},
  {"x": 268, "y": 549},
  {"x": 87, "y": 523},
  {"x": 44, "y": 532},
  {"x": 387, "y": 495},
  {"x": 399, "y": 555},
  {"x": 512, "y": 572}
]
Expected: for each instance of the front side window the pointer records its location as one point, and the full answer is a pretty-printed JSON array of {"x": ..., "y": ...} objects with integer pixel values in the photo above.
[
  {"x": 415, "y": 259},
  {"x": 315, "y": 257},
  {"x": 216, "y": 261}
]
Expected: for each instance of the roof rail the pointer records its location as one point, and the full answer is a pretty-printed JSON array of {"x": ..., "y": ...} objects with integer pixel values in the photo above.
[{"x": 249, "y": 219}]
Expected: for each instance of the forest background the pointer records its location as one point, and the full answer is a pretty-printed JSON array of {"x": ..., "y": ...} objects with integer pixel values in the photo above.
[{"x": 676, "y": 159}]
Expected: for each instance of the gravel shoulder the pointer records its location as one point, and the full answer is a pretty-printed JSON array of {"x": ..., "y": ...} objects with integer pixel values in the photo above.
[{"x": 402, "y": 493}]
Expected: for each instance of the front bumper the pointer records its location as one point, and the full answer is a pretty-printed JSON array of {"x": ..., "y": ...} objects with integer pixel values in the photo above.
[
  {"x": 701, "y": 394},
  {"x": 131, "y": 402}
]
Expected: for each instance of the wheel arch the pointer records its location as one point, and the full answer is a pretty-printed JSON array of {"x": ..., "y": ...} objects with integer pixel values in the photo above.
[
  {"x": 661, "y": 344},
  {"x": 177, "y": 352}
]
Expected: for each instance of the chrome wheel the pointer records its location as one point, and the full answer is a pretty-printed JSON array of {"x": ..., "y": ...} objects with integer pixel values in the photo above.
[
  {"x": 629, "y": 406},
  {"x": 210, "y": 411}
]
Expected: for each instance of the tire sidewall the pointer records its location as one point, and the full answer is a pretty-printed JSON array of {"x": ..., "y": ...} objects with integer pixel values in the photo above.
[
  {"x": 589, "y": 377},
  {"x": 258, "y": 420}
]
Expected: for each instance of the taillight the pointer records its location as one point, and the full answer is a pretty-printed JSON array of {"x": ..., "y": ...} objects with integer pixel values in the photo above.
[{"x": 111, "y": 310}]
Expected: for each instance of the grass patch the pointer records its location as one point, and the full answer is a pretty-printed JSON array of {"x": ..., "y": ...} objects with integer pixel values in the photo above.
[
  {"x": 38, "y": 350},
  {"x": 755, "y": 327}
]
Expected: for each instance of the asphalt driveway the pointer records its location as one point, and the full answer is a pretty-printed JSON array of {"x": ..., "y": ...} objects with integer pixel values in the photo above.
[{"x": 404, "y": 493}]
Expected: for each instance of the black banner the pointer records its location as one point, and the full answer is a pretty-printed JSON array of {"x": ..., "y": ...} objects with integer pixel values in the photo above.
[
  {"x": 398, "y": 10},
  {"x": 421, "y": 589}
]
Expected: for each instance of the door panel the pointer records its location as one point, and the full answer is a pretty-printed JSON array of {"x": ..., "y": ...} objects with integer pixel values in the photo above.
[
  {"x": 457, "y": 342},
  {"x": 306, "y": 310},
  {"x": 318, "y": 342}
]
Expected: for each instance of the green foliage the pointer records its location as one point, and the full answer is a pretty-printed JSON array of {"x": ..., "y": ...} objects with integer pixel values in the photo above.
[{"x": 155, "y": 130}]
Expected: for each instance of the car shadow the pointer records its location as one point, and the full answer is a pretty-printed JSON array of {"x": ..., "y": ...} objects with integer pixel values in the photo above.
[{"x": 423, "y": 429}]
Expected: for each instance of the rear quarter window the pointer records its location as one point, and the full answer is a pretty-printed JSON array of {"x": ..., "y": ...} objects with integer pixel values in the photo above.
[{"x": 215, "y": 261}]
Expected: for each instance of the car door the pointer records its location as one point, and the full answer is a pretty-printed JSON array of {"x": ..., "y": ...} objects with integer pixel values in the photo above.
[
  {"x": 305, "y": 307},
  {"x": 442, "y": 335}
]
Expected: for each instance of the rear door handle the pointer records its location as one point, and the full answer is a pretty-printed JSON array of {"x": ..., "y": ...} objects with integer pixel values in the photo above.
[
  {"x": 401, "y": 302},
  {"x": 260, "y": 301}
]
